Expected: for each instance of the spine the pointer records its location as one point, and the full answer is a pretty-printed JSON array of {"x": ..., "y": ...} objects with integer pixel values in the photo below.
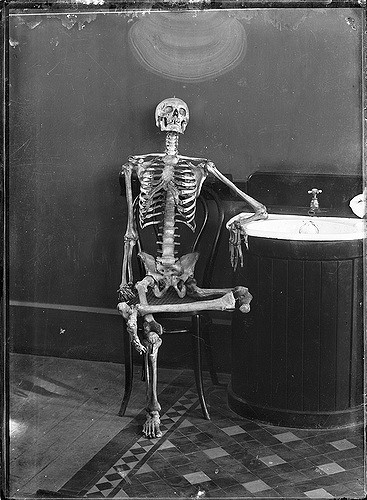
[
  {"x": 172, "y": 143},
  {"x": 168, "y": 236}
]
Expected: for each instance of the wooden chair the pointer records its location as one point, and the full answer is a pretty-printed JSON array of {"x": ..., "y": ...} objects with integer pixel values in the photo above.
[{"x": 209, "y": 224}]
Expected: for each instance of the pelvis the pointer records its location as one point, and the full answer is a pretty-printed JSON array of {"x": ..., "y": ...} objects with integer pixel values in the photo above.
[{"x": 170, "y": 275}]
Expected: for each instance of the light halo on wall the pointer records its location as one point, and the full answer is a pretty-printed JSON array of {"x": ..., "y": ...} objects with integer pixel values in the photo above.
[{"x": 187, "y": 46}]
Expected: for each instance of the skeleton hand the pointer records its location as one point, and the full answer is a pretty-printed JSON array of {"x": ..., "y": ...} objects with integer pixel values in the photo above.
[
  {"x": 235, "y": 248},
  {"x": 138, "y": 345},
  {"x": 130, "y": 315},
  {"x": 126, "y": 292}
]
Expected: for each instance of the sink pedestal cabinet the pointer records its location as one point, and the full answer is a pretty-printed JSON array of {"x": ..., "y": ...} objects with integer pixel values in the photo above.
[{"x": 297, "y": 357}]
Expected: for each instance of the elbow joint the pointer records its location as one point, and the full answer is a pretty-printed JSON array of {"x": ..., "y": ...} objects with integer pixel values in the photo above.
[{"x": 262, "y": 212}]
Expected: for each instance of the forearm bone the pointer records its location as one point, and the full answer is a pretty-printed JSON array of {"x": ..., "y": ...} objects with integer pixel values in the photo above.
[
  {"x": 259, "y": 208},
  {"x": 131, "y": 235}
]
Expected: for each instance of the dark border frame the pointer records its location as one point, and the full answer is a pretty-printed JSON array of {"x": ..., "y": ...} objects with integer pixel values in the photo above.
[{"x": 79, "y": 6}]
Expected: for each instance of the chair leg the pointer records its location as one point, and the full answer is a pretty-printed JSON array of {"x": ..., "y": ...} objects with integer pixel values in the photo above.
[
  {"x": 196, "y": 344},
  {"x": 143, "y": 377},
  {"x": 128, "y": 357},
  {"x": 208, "y": 351}
]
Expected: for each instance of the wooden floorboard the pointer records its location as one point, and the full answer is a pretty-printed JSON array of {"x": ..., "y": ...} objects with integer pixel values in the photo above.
[{"x": 63, "y": 411}]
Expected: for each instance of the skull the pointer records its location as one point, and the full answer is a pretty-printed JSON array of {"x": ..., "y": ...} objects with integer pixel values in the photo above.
[{"x": 172, "y": 115}]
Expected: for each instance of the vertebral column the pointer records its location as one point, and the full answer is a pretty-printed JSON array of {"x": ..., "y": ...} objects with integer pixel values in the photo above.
[{"x": 168, "y": 237}]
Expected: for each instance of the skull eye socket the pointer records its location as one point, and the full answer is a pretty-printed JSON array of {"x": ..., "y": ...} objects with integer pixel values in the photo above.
[
  {"x": 169, "y": 109},
  {"x": 182, "y": 111}
]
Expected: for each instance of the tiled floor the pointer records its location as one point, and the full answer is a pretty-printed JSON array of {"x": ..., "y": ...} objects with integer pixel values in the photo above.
[{"x": 227, "y": 456}]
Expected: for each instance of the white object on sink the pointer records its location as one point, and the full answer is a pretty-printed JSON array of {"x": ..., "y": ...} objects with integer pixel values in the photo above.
[{"x": 358, "y": 205}]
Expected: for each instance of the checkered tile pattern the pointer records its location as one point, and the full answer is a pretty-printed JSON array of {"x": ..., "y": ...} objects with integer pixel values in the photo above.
[
  {"x": 117, "y": 474},
  {"x": 231, "y": 457}
]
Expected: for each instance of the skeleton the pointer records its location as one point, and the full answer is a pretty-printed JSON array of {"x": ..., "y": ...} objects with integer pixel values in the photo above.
[{"x": 169, "y": 186}]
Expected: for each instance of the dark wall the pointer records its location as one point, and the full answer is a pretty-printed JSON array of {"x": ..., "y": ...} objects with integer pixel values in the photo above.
[{"x": 80, "y": 103}]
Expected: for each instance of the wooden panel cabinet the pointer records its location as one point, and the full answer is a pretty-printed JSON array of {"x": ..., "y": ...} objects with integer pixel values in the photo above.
[{"x": 297, "y": 357}]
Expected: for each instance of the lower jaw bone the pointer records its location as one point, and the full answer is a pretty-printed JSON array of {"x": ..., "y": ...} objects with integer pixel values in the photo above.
[{"x": 225, "y": 303}]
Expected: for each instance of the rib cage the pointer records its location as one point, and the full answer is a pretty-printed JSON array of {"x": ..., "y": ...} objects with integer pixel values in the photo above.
[{"x": 183, "y": 180}]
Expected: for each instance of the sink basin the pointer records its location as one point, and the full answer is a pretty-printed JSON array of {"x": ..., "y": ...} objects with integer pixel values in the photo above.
[{"x": 297, "y": 227}]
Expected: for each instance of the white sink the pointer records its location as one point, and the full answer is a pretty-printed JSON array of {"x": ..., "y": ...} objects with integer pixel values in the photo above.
[{"x": 297, "y": 227}]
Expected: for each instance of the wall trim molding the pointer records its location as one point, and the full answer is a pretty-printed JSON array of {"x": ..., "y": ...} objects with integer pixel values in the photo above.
[
  {"x": 86, "y": 309},
  {"x": 64, "y": 307}
]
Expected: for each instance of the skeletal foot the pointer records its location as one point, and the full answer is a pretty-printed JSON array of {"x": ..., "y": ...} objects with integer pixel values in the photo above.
[
  {"x": 151, "y": 427},
  {"x": 243, "y": 298}
]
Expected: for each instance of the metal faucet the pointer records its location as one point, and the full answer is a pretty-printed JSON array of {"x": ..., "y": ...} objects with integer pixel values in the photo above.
[{"x": 314, "y": 203}]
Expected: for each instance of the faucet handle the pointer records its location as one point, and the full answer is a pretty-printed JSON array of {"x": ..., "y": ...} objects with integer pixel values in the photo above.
[{"x": 315, "y": 191}]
